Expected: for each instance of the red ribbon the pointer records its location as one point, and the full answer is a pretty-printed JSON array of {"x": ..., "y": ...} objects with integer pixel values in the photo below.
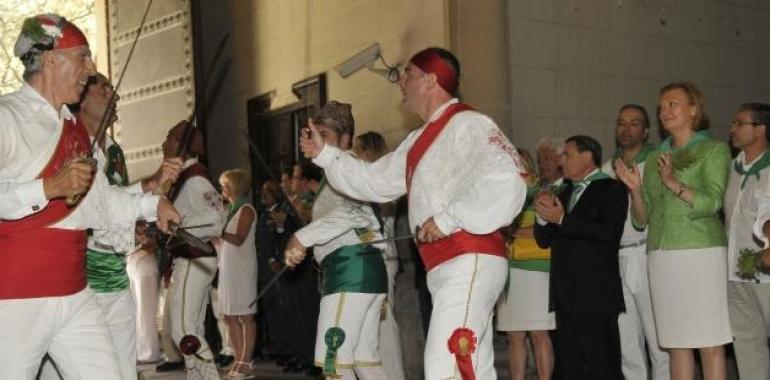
[{"x": 462, "y": 344}]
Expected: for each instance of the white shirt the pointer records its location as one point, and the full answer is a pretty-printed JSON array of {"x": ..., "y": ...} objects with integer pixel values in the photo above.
[
  {"x": 630, "y": 234},
  {"x": 744, "y": 207},
  {"x": 29, "y": 132},
  {"x": 468, "y": 179},
  {"x": 199, "y": 203},
  {"x": 335, "y": 218}
]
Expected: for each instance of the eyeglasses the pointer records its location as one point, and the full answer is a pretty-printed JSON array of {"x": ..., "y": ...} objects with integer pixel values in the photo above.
[{"x": 739, "y": 123}]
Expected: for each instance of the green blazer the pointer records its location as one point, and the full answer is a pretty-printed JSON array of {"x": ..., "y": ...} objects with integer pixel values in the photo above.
[{"x": 703, "y": 165}]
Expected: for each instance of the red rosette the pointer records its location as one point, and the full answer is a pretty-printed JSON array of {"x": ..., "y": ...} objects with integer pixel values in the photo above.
[{"x": 462, "y": 344}]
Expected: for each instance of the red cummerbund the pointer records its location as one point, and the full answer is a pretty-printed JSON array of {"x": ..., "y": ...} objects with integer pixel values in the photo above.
[
  {"x": 42, "y": 262},
  {"x": 459, "y": 243}
]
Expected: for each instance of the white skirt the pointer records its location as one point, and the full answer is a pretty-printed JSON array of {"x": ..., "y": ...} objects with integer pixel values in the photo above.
[
  {"x": 524, "y": 307},
  {"x": 689, "y": 297}
]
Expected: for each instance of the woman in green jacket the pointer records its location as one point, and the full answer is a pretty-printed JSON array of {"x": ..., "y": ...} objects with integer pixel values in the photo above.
[{"x": 679, "y": 201}]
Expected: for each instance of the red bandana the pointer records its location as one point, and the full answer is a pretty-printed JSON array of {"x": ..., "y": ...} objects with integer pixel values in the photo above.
[{"x": 430, "y": 61}]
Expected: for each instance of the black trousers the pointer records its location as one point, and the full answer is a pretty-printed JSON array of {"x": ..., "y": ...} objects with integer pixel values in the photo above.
[{"x": 587, "y": 347}]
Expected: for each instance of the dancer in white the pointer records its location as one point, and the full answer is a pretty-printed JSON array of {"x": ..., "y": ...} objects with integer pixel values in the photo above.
[
  {"x": 354, "y": 276},
  {"x": 462, "y": 178},
  {"x": 194, "y": 269},
  {"x": 45, "y": 305}
]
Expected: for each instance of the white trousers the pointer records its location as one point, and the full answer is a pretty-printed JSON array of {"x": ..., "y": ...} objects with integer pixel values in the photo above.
[
  {"x": 120, "y": 316},
  {"x": 464, "y": 291},
  {"x": 142, "y": 268},
  {"x": 118, "y": 310},
  {"x": 358, "y": 315},
  {"x": 70, "y": 328},
  {"x": 637, "y": 324},
  {"x": 189, "y": 296},
  {"x": 227, "y": 345},
  {"x": 750, "y": 321},
  {"x": 390, "y": 336}
]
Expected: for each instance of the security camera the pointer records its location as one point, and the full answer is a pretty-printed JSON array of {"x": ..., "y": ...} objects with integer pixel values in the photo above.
[{"x": 364, "y": 58}]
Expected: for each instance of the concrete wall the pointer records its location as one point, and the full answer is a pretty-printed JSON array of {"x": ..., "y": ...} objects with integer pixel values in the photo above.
[
  {"x": 275, "y": 43},
  {"x": 575, "y": 62},
  {"x": 479, "y": 38}
]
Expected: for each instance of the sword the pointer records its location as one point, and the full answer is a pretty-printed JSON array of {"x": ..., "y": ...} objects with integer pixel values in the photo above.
[
  {"x": 188, "y": 238},
  {"x": 269, "y": 285}
]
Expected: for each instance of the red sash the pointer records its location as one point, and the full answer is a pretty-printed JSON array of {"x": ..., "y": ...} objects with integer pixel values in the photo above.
[
  {"x": 460, "y": 242},
  {"x": 36, "y": 261}
]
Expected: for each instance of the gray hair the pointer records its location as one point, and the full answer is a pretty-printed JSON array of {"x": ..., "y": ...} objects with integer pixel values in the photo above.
[
  {"x": 555, "y": 143},
  {"x": 32, "y": 66}
]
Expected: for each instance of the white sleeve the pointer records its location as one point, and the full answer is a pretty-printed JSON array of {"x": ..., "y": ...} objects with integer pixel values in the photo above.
[
  {"x": 381, "y": 181},
  {"x": 342, "y": 219},
  {"x": 199, "y": 203},
  {"x": 762, "y": 194},
  {"x": 495, "y": 193},
  {"x": 21, "y": 199}
]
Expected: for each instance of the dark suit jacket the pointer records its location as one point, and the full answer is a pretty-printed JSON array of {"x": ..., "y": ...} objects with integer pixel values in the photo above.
[
  {"x": 585, "y": 274},
  {"x": 271, "y": 243}
]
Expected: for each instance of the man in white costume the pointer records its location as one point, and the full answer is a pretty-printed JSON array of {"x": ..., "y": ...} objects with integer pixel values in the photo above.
[
  {"x": 462, "y": 176},
  {"x": 193, "y": 271},
  {"x": 354, "y": 277},
  {"x": 637, "y": 323},
  {"x": 105, "y": 266},
  {"x": 45, "y": 305},
  {"x": 746, "y": 203}
]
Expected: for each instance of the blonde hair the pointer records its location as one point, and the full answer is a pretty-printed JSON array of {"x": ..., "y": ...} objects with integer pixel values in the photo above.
[
  {"x": 238, "y": 181},
  {"x": 696, "y": 99}
]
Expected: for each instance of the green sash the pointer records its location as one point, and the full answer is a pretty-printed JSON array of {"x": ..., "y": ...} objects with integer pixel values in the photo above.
[
  {"x": 234, "y": 207},
  {"x": 354, "y": 269},
  {"x": 647, "y": 148},
  {"x": 106, "y": 272},
  {"x": 754, "y": 170}
]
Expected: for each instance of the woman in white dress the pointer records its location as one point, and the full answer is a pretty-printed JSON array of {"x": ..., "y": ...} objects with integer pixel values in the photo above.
[
  {"x": 238, "y": 271},
  {"x": 522, "y": 310}
]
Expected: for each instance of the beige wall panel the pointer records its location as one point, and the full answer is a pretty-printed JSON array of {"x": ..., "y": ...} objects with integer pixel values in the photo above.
[
  {"x": 156, "y": 57},
  {"x": 157, "y": 90},
  {"x": 131, "y": 11},
  {"x": 145, "y": 123}
]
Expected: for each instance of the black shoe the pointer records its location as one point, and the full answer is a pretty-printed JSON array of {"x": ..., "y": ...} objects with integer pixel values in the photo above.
[
  {"x": 282, "y": 360},
  {"x": 169, "y": 366},
  {"x": 314, "y": 371},
  {"x": 224, "y": 360},
  {"x": 292, "y": 366}
]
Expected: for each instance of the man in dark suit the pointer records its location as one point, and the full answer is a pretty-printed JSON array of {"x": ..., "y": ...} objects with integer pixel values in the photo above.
[{"x": 583, "y": 226}]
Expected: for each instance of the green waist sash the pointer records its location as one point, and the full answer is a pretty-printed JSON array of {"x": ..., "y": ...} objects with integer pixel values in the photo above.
[
  {"x": 106, "y": 272},
  {"x": 531, "y": 265},
  {"x": 354, "y": 269}
]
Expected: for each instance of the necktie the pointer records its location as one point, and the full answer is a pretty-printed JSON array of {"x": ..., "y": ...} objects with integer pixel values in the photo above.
[{"x": 573, "y": 198}]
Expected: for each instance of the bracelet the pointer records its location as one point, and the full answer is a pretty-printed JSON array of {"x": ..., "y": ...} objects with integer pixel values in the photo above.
[{"x": 681, "y": 190}]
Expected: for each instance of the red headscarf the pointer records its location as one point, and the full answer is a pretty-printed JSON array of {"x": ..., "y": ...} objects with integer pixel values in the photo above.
[{"x": 430, "y": 61}]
